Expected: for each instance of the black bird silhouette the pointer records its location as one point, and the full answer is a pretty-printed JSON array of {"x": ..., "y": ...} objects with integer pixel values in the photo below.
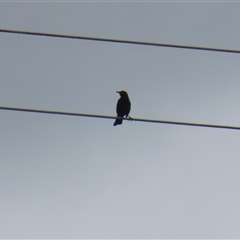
[{"x": 123, "y": 107}]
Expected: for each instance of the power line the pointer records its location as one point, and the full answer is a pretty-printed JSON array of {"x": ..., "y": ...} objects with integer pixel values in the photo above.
[
  {"x": 113, "y": 117},
  {"x": 120, "y": 41}
]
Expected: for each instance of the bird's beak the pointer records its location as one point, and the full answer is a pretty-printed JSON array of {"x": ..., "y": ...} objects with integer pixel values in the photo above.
[{"x": 118, "y": 91}]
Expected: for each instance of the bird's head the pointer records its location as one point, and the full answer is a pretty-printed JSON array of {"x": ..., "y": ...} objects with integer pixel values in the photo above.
[{"x": 123, "y": 93}]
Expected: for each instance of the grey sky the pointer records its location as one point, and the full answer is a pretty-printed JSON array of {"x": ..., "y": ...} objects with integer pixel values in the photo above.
[{"x": 73, "y": 177}]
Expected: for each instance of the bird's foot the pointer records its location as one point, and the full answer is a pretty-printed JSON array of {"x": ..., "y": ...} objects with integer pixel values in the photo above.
[{"x": 129, "y": 118}]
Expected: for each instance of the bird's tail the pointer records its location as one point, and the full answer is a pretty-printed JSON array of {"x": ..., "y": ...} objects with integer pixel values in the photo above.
[{"x": 118, "y": 121}]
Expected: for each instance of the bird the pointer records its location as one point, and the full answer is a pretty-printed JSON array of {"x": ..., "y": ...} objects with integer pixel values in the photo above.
[{"x": 123, "y": 107}]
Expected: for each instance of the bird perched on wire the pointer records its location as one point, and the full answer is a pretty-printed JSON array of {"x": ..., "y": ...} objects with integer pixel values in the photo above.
[{"x": 123, "y": 107}]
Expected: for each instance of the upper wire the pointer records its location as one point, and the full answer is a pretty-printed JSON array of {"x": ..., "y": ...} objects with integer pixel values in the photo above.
[{"x": 120, "y": 41}]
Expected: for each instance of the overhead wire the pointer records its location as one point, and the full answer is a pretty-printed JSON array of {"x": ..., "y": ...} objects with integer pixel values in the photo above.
[
  {"x": 124, "y": 42},
  {"x": 119, "y": 41},
  {"x": 113, "y": 117}
]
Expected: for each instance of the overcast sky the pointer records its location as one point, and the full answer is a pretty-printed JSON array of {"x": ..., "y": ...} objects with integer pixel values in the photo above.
[{"x": 76, "y": 177}]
